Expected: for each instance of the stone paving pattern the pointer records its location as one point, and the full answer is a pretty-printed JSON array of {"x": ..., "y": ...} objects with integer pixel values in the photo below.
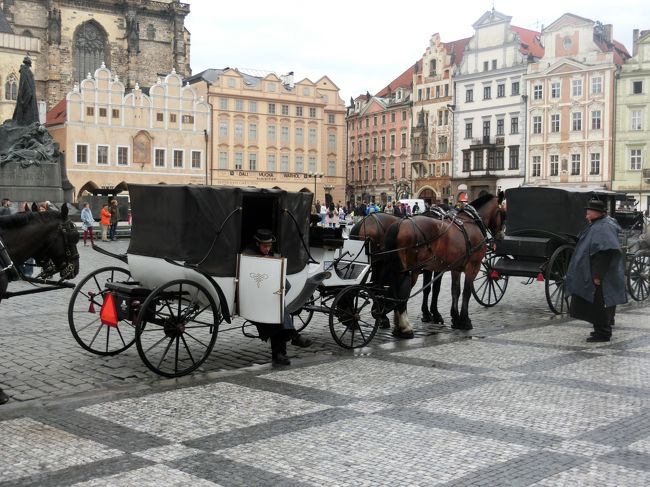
[{"x": 521, "y": 400}]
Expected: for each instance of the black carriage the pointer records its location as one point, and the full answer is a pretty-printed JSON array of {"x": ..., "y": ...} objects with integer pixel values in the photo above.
[
  {"x": 187, "y": 276},
  {"x": 635, "y": 242},
  {"x": 542, "y": 228}
]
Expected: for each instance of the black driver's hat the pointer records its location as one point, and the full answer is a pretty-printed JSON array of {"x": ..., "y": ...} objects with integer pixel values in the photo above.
[
  {"x": 264, "y": 235},
  {"x": 596, "y": 205}
]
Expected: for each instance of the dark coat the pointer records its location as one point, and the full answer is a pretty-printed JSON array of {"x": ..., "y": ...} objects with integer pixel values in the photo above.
[{"x": 598, "y": 252}]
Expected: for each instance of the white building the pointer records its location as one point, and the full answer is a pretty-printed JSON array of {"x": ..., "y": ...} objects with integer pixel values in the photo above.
[{"x": 490, "y": 106}]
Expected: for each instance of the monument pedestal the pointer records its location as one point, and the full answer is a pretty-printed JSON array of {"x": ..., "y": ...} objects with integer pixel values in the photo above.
[{"x": 32, "y": 183}]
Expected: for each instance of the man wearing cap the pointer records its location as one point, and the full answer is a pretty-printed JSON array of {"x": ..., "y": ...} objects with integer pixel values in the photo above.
[
  {"x": 596, "y": 276},
  {"x": 282, "y": 332}
]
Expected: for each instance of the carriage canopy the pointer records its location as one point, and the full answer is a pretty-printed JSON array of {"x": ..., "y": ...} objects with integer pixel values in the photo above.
[
  {"x": 535, "y": 211},
  {"x": 210, "y": 225}
]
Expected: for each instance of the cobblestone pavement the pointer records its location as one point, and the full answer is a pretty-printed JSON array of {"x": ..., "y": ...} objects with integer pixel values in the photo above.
[{"x": 520, "y": 400}]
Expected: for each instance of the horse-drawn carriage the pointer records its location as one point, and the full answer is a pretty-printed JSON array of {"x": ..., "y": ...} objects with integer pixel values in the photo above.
[
  {"x": 542, "y": 228},
  {"x": 187, "y": 275}
]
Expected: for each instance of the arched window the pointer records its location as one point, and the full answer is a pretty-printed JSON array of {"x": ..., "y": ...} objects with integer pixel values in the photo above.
[
  {"x": 90, "y": 43},
  {"x": 11, "y": 87}
]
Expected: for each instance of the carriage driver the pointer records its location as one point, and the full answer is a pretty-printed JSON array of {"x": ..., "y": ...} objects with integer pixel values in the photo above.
[{"x": 282, "y": 332}]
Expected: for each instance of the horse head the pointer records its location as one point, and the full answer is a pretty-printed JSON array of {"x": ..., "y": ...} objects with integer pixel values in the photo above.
[
  {"x": 491, "y": 212},
  {"x": 58, "y": 252}
]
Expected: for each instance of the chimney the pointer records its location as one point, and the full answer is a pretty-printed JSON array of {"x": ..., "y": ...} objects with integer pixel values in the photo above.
[
  {"x": 607, "y": 32},
  {"x": 635, "y": 37}
]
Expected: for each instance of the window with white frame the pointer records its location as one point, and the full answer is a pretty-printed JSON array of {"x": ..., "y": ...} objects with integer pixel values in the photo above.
[
  {"x": 501, "y": 90},
  {"x": 177, "y": 159},
  {"x": 514, "y": 125},
  {"x": 102, "y": 155},
  {"x": 636, "y": 120},
  {"x": 594, "y": 163},
  {"x": 270, "y": 162},
  {"x": 284, "y": 162},
  {"x": 223, "y": 103},
  {"x": 595, "y": 119},
  {"x": 299, "y": 139},
  {"x": 537, "y": 124},
  {"x": 239, "y": 161},
  {"x": 575, "y": 164},
  {"x": 468, "y": 130},
  {"x": 635, "y": 159},
  {"x": 252, "y": 106},
  {"x": 312, "y": 164},
  {"x": 576, "y": 121},
  {"x": 469, "y": 95},
  {"x": 312, "y": 112},
  {"x": 252, "y": 161},
  {"x": 81, "y": 154},
  {"x": 514, "y": 88},
  {"x": 252, "y": 131},
  {"x": 537, "y": 166},
  {"x": 122, "y": 156},
  {"x": 285, "y": 109},
  {"x": 538, "y": 92},
  {"x": 298, "y": 111},
  {"x": 11, "y": 87},
  {"x": 159, "y": 157},
  {"x": 284, "y": 134},
  {"x": 487, "y": 92},
  {"x": 596, "y": 85},
  {"x": 555, "y": 122},
  {"x": 239, "y": 105},
  {"x": 554, "y": 168},
  {"x": 331, "y": 141},
  {"x": 637, "y": 87},
  {"x": 300, "y": 163},
  {"x": 312, "y": 136},
  {"x": 196, "y": 159},
  {"x": 223, "y": 128},
  {"x": 271, "y": 109},
  {"x": 555, "y": 89},
  {"x": 270, "y": 134},
  {"x": 232, "y": 83},
  {"x": 223, "y": 160},
  {"x": 576, "y": 87},
  {"x": 239, "y": 130},
  {"x": 331, "y": 118},
  {"x": 331, "y": 168}
]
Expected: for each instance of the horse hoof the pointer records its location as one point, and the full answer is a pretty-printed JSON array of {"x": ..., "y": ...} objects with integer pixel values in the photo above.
[
  {"x": 438, "y": 319},
  {"x": 462, "y": 327},
  {"x": 403, "y": 334},
  {"x": 384, "y": 323},
  {"x": 426, "y": 317}
]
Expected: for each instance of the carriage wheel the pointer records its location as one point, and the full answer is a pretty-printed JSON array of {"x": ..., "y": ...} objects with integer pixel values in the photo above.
[
  {"x": 83, "y": 314},
  {"x": 302, "y": 317},
  {"x": 177, "y": 327},
  {"x": 352, "y": 323},
  {"x": 489, "y": 286},
  {"x": 555, "y": 279},
  {"x": 638, "y": 276}
]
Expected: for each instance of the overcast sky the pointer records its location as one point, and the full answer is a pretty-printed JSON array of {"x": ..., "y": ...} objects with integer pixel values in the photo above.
[{"x": 362, "y": 45}]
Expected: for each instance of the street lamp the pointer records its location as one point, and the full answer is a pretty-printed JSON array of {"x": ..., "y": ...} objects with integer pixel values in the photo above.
[{"x": 316, "y": 176}]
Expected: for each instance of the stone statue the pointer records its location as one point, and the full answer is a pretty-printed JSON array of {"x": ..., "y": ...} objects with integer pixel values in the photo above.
[
  {"x": 26, "y": 111},
  {"x": 54, "y": 26},
  {"x": 132, "y": 33}
]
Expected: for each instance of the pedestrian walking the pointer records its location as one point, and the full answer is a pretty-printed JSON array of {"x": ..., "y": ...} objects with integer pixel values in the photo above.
[
  {"x": 105, "y": 221},
  {"x": 115, "y": 218},
  {"x": 596, "y": 276},
  {"x": 87, "y": 223}
]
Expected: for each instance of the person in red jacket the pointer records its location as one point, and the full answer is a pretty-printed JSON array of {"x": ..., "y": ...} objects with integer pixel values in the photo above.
[{"x": 105, "y": 221}]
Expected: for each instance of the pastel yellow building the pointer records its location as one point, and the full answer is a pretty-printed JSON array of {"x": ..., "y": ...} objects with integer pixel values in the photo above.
[
  {"x": 269, "y": 132},
  {"x": 111, "y": 139}
]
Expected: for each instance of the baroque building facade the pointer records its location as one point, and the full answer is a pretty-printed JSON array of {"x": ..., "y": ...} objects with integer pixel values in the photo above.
[
  {"x": 270, "y": 132},
  {"x": 490, "y": 106},
  {"x": 571, "y": 92},
  {"x": 632, "y": 132},
  {"x": 378, "y": 131},
  {"x": 111, "y": 138},
  {"x": 136, "y": 39},
  {"x": 431, "y": 134}
]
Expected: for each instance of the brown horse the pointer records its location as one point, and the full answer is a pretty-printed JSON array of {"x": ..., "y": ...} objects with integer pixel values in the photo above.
[
  {"x": 373, "y": 228},
  {"x": 423, "y": 243}
]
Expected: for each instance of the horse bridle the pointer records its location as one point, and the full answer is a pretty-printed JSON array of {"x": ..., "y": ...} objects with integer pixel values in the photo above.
[{"x": 66, "y": 268}]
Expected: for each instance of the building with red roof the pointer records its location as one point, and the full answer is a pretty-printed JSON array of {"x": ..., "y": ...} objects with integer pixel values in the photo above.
[
  {"x": 571, "y": 91},
  {"x": 378, "y": 156}
]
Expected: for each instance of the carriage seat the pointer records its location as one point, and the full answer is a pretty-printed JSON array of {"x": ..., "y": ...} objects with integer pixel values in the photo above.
[
  {"x": 322, "y": 237},
  {"x": 310, "y": 286}
]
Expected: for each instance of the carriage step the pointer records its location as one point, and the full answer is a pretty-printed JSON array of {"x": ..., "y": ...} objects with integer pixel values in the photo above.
[
  {"x": 310, "y": 286},
  {"x": 518, "y": 267}
]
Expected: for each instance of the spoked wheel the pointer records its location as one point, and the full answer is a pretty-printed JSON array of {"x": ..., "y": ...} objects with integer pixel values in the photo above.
[
  {"x": 352, "y": 323},
  {"x": 177, "y": 328},
  {"x": 302, "y": 317},
  {"x": 555, "y": 279},
  {"x": 84, "y": 309},
  {"x": 638, "y": 276},
  {"x": 489, "y": 286}
]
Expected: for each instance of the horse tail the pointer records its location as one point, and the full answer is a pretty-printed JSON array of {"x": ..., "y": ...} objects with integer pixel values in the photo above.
[{"x": 392, "y": 265}]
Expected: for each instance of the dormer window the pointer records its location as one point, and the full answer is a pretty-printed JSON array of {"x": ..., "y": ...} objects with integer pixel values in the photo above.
[{"x": 432, "y": 67}]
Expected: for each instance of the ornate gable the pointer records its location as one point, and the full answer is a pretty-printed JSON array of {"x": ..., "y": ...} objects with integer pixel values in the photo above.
[{"x": 491, "y": 17}]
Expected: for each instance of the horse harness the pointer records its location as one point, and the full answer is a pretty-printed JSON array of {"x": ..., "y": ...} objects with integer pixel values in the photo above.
[{"x": 70, "y": 239}]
